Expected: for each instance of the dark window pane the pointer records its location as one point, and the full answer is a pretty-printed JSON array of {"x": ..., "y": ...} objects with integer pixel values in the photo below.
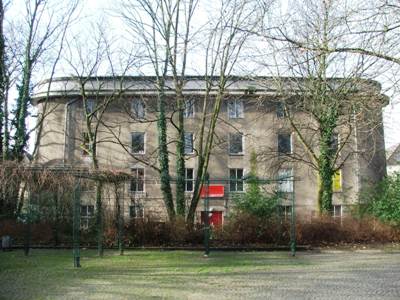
[
  {"x": 83, "y": 211},
  {"x": 138, "y": 108},
  {"x": 137, "y": 182},
  {"x": 236, "y": 182},
  {"x": 334, "y": 144},
  {"x": 189, "y": 109},
  {"x": 280, "y": 110},
  {"x": 90, "y": 210},
  {"x": 189, "y": 180},
  {"x": 138, "y": 142},
  {"x": 284, "y": 143},
  {"x": 132, "y": 211},
  {"x": 188, "y": 142},
  {"x": 236, "y": 143}
]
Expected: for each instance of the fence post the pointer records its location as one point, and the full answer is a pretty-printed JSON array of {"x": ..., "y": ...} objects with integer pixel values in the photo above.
[
  {"x": 120, "y": 216},
  {"x": 206, "y": 219},
  {"x": 28, "y": 226},
  {"x": 76, "y": 223},
  {"x": 293, "y": 223}
]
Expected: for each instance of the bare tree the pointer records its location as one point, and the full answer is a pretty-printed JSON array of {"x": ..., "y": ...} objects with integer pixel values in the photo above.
[
  {"x": 86, "y": 59},
  {"x": 225, "y": 43},
  {"x": 44, "y": 26},
  {"x": 326, "y": 96},
  {"x": 170, "y": 23}
]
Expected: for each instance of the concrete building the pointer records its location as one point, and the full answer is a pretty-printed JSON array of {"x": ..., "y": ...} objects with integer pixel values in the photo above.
[
  {"x": 251, "y": 120},
  {"x": 393, "y": 160}
]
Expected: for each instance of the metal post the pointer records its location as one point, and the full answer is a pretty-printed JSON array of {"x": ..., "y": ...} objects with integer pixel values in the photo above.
[
  {"x": 293, "y": 223},
  {"x": 76, "y": 223},
  {"x": 120, "y": 211},
  {"x": 206, "y": 220},
  {"x": 28, "y": 227}
]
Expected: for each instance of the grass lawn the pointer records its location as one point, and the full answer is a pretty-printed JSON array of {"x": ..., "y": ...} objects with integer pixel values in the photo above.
[
  {"x": 49, "y": 274},
  {"x": 333, "y": 274}
]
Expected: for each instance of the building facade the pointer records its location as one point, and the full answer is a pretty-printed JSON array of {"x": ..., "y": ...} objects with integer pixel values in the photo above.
[{"x": 252, "y": 122}]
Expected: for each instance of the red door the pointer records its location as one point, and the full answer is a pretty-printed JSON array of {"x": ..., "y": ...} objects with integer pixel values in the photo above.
[{"x": 215, "y": 218}]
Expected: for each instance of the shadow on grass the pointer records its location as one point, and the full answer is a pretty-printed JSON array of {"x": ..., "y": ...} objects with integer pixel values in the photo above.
[{"x": 137, "y": 274}]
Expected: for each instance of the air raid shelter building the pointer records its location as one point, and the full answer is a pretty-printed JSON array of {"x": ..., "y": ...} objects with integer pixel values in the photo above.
[{"x": 256, "y": 119}]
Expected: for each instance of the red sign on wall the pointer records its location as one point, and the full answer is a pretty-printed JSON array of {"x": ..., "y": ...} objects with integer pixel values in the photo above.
[{"x": 213, "y": 191}]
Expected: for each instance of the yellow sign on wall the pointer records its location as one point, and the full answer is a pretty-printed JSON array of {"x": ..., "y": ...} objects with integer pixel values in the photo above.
[{"x": 337, "y": 181}]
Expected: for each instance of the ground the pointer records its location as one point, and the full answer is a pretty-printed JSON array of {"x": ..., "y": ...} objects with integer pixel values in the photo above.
[{"x": 48, "y": 274}]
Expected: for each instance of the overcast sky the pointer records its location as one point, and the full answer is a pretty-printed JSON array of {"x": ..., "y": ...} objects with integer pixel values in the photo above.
[{"x": 101, "y": 10}]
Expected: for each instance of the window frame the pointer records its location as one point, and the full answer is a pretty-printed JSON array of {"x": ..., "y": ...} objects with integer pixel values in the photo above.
[
  {"x": 86, "y": 219},
  {"x": 286, "y": 211},
  {"x": 144, "y": 142},
  {"x": 137, "y": 180},
  {"x": 290, "y": 183},
  {"x": 236, "y": 114},
  {"x": 334, "y": 211},
  {"x": 280, "y": 111},
  {"x": 189, "y": 114},
  {"x": 290, "y": 143},
  {"x": 134, "y": 111},
  {"x": 235, "y": 180},
  {"x": 135, "y": 207},
  {"x": 192, "y": 143},
  {"x": 86, "y": 146},
  {"x": 189, "y": 180},
  {"x": 230, "y": 143},
  {"x": 340, "y": 174}
]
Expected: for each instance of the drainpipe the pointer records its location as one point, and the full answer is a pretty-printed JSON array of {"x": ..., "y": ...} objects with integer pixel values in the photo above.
[
  {"x": 357, "y": 157},
  {"x": 66, "y": 129}
]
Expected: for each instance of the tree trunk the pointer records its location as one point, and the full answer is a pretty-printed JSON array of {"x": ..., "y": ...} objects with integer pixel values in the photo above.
[
  {"x": 163, "y": 156},
  {"x": 203, "y": 162},
  {"x": 180, "y": 158}
]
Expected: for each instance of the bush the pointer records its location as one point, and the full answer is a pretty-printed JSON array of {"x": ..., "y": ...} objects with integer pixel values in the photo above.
[
  {"x": 150, "y": 232},
  {"x": 383, "y": 200}
]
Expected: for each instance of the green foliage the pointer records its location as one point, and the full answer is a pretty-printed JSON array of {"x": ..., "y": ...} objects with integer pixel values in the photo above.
[
  {"x": 383, "y": 200},
  {"x": 29, "y": 214},
  {"x": 255, "y": 201}
]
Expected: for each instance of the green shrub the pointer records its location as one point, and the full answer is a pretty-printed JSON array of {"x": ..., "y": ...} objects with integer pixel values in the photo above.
[
  {"x": 255, "y": 201},
  {"x": 383, "y": 200}
]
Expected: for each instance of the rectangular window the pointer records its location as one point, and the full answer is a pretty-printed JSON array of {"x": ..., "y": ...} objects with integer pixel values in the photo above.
[
  {"x": 235, "y": 109},
  {"x": 137, "y": 181},
  {"x": 138, "y": 142},
  {"x": 284, "y": 143},
  {"x": 285, "y": 183},
  {"x": 280, "y": 110},
  {"x": 86, "y": 146},
  {"x": 236, "y": 143},
  {"x": 87, "y": 213},
  {"x": 90, "y": 107},
  {"x": 236, "y": 180},
  {"x": 188, "y": 180},
  {"x": 138, "y": 109},
  {"x": 337, "y": 181},
  {"x": 189, "y": 108},
  {"x": 136, "y": 211},
  {"x": 286, "y": 212},
  {"x": 334, "y": 146},
  {"x": 337, "y": 211},
  {"x": 188, "y": 142}
]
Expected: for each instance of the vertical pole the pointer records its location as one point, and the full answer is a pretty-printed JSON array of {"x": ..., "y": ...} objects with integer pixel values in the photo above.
[
  {"x": 293, "y": 222},
  {"x": 120, "y": 215},
  {"x": 28, "y": 227},
  {"x": 280, "y": 220},
  {"x": 206, "y": 219},
  {"x": 76, "y": 223}
]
